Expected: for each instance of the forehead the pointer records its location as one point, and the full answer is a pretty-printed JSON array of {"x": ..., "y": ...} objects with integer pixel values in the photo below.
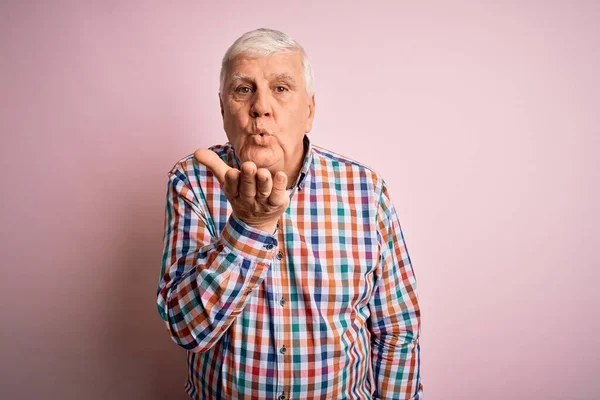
[{"x": 266, "y": 67}]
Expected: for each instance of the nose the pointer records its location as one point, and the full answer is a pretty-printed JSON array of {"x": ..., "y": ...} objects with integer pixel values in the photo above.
[{"x": 261, "y": 104}]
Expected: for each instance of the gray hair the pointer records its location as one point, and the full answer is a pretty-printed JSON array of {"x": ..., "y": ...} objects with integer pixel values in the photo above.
[{"x": 266, "y": 42}]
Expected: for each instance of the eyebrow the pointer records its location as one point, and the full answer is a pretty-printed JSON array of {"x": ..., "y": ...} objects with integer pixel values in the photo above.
[
  {"x": 239, "y": 77},
  {"x": 243, "y": 77},
  {"x": 284, "y": 76}
]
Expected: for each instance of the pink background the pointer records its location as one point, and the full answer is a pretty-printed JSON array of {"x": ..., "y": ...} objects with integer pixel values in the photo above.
[{"x": 483, "y": 118}]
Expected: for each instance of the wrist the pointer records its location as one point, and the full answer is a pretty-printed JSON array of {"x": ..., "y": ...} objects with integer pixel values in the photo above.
[{"x": 270, "y": 227}]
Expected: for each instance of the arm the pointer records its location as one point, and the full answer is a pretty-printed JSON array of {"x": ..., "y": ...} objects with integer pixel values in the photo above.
[
  {"x": 205, "y": 280},
  {"x": 395, "y": 314}
]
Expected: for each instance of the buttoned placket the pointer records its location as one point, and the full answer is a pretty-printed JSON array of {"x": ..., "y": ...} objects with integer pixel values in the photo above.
[
  {"x": 276, "y": 294},
  {"x": 282, "y": 348},
  {"x": 284, "y": 351}
]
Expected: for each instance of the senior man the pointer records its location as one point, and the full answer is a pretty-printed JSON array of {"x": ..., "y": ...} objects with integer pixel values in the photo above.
[{"x": 285, "y": 274}]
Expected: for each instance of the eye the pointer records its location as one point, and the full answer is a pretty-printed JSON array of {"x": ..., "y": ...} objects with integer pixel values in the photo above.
[
  {"x": 243, "y": 89},
  {"x": 281, "y": 89}
]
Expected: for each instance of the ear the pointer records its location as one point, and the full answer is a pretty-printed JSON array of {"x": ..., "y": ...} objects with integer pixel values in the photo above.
[
  {"x": 311, "y": 113},
  {"x": 221, "y": 105}
]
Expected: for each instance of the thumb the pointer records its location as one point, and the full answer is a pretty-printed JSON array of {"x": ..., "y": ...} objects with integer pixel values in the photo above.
[{"x": 213, "y": 162}]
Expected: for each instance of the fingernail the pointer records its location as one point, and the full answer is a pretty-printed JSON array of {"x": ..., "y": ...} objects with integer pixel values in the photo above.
[{"x": 280, "y": 178}]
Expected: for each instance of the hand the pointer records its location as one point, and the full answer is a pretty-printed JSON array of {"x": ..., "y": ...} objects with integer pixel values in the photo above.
[{"x": 255, "y": 197}]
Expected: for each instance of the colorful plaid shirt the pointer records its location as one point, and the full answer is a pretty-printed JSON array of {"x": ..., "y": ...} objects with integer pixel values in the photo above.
[{"x": 323, "y": 308}]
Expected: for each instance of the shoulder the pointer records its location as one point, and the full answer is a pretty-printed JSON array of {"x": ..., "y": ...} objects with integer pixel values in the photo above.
[
  {"x": 189, "y": 166},
  {"x": 336, "y": 162},
  {"x": 194, "y": 180}
]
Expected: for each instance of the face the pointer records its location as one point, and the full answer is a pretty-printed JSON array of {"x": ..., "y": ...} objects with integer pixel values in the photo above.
[{"x": 266, "y": 110}]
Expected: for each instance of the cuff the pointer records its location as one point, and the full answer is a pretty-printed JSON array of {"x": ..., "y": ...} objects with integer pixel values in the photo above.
[{"x": 248, "y": 241}]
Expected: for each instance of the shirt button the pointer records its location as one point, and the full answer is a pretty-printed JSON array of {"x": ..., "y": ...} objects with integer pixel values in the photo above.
[
  {"x": 282, "y": 397},
  {"x": 282, "y": 350},
  {"x": 279, "y": 255},
  {"x": 269, "y": 246},
  {"x": 282, "y": 302}
]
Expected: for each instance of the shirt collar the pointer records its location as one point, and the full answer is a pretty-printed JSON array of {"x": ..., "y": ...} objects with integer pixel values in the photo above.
[{"x": 308, "y": 153}]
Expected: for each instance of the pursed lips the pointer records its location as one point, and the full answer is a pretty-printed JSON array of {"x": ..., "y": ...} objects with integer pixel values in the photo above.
[{"x": 260, "y": 132}]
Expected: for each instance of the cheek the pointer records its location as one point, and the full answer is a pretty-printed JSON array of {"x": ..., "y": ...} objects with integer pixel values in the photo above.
[
  {"x": 233, "y": 123},
  {"x": 300, "y": 114},
  {"x": 234, "y": 115}
]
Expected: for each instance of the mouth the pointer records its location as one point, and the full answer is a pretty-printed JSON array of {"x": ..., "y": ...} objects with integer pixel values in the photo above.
[{"x": 260, "y": 132}]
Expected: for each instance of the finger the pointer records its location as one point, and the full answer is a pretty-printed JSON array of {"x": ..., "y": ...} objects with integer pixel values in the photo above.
[
  {"x": 247, "y": 185},
  {"x": 232, "y": 179},
  {"x": 264, "y": 183},
  {"x": 213, "y": 162},
  {"x": 279, "y": 196}
]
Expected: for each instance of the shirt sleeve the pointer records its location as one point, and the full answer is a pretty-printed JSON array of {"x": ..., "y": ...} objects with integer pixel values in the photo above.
[
  {"x": 205, "y": 281},
  {"x": 395, "y": 314}
]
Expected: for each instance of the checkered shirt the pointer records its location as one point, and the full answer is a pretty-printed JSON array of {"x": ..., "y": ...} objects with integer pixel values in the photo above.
[{"x": 323, "y": 308}]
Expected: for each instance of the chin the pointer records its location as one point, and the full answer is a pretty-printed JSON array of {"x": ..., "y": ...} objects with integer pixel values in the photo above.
[{"x": 262, "y": 157}]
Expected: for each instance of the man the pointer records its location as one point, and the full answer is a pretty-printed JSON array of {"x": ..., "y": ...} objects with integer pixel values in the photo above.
[{"x": 285, "y": 274}]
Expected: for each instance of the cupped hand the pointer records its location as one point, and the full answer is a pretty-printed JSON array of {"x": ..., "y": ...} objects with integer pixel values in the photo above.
[{"x": 255, "y": 197}]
